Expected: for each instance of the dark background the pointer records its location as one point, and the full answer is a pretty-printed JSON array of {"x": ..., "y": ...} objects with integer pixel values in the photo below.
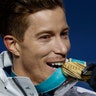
[{"x": 81, "y": 17}]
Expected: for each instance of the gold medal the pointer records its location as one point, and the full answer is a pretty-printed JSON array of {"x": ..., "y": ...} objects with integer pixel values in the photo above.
[{"x": 74, "y": 70}]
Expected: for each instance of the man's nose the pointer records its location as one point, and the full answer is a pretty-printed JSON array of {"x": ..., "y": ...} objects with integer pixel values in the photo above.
[{"x": 60, "y": 47}]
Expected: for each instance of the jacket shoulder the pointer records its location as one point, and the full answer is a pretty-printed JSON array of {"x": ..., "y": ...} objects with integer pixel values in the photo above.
[{"x": 5, "y": 59}]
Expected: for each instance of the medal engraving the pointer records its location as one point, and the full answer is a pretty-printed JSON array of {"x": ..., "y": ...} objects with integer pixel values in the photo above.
[{"x": 74, "y": 70}]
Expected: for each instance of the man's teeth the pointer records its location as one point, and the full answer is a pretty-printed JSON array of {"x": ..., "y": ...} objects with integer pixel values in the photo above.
[{"x": 57, "y": 64}]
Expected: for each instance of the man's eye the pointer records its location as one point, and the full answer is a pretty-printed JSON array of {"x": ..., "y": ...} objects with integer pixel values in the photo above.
[
  {"x": 65, "y": 34},
  {"x": 45, "y": 38}
]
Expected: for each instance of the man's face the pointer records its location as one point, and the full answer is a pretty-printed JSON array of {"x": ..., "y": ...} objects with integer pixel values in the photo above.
[{"x": 45, "y": 44}]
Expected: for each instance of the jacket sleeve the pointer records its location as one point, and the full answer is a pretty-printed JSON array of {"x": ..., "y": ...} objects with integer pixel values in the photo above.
[{"x": 79, "y": 91}]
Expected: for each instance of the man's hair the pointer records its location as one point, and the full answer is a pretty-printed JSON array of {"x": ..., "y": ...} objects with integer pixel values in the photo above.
[{"x": 13, "y": 14}]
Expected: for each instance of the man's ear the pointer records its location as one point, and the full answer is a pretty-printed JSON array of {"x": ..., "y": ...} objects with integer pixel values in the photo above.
[{"x": 12, "y": 44}]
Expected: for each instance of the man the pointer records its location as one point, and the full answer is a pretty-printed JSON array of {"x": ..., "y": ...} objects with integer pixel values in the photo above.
[{"x": 35, "y": 32}]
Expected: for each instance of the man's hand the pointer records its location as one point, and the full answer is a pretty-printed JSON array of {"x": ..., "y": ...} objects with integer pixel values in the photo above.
[{"x": 91, "y": 70}]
